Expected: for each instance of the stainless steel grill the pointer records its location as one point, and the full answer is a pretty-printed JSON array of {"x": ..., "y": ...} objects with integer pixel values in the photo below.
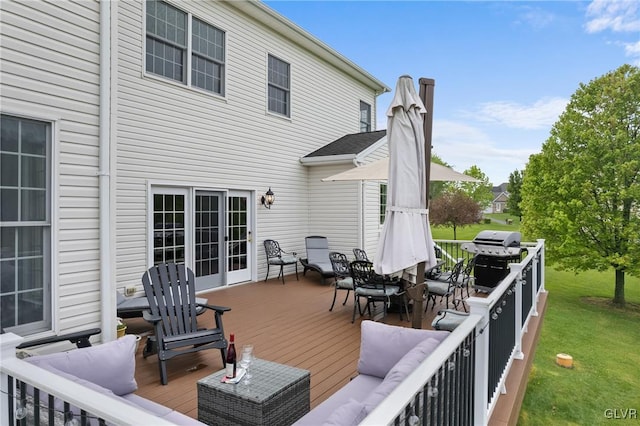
[{"x": 494, "y": 250}]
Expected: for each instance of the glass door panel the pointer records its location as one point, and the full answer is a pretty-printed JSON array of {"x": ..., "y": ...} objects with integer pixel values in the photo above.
[
  {"x": 209, "y": 244},
  {"x": 168, "y": 228},
  {"x": 239, "y": 247}
]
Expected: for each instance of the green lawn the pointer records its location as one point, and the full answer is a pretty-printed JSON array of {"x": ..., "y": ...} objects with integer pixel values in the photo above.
[
  {"x": 604, "y": 342},
  {"x": 470, "y": 231}
]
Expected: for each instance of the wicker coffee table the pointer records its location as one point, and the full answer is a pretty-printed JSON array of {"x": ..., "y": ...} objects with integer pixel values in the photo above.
[{"x": 277, "y": 395}]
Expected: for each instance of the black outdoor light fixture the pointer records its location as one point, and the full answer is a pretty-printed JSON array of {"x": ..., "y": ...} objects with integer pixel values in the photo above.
[{"x": 268, "y": 198}]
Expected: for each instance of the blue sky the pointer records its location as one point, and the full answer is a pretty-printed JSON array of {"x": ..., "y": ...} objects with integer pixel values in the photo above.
[{"x": 504, "y": 70}]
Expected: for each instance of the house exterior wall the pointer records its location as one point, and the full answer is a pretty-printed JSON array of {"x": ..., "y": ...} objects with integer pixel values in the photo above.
[
  {"x": 334, "y": 208},
  {"x": 50, "y": 72},
  {"x": 349, "y": 211},
  {"x": 168, "y": 133},
  {"x": 164, "y": 133}
]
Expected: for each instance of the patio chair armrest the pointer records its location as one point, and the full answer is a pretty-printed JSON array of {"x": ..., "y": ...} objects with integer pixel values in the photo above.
[
  {"x": 219, "y": 309},
  {"x": 149, "y": 317},
  {"x": 286, "y": 252},
  {"x": 79, "y": 338},
  {"x": 444, "y": 312}
]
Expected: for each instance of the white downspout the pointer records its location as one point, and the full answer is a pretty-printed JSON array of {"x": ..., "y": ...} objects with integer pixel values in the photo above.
[
  {"x": 361, "y": 218},
  {"x": 107, "y": 293}
]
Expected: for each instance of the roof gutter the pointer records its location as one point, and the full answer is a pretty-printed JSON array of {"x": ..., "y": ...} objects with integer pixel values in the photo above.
[
  {"x": 283, "y": 26},
  {"x": 329, "y": 159}
]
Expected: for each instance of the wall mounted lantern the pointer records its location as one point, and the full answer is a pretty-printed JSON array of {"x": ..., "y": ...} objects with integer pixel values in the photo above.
[{"x": 268, "y": 198}]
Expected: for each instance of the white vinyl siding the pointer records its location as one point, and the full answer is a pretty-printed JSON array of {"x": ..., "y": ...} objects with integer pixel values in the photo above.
[
  {"x": 171, "y": 135},
  {"x": 50, "y": 65},
  {"x": 335, "y": 209}
]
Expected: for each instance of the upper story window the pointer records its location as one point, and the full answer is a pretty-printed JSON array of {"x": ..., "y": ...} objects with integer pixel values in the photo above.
[
  {"x": 365, "y": 117},
  {"x": 207, "y": 63},
  {"x": 167, "y": 49},
  {"x": 25, "y": 225},
  {"x": 279, "y": 86}
]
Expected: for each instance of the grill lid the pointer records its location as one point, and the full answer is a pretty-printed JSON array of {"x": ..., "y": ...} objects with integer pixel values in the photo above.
[
  {"x": 498, "y": 238},
  {"x": 495, "y": 243}
]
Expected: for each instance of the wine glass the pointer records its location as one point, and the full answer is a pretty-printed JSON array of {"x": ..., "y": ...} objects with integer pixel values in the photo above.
[{"x": 245, "y": 362}]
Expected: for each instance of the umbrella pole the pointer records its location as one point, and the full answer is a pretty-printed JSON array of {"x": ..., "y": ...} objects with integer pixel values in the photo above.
[
  {"x": 417, "y": 292},
  {"x": 426, "y": 96}
]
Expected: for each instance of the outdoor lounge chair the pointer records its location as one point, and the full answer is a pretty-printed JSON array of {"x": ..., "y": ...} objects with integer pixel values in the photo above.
[
  {"x": 277, "y": 256},
  {"x": 317, "y": 257},
  {"x": 170, "y": 289}
]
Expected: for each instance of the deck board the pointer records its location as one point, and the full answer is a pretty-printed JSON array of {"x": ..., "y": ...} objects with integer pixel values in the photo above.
[{"x": 290, "y": 324}]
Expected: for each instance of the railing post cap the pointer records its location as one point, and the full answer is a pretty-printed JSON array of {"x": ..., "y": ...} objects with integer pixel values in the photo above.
[{"x": 8, "y": 343}]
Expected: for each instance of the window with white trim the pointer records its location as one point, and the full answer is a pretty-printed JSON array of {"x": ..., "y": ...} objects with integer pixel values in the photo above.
[
  {"x": 365, "y": 117},
  {"x": 167, "y": 48},
  {"x": 279, "y": 86},
  {"x": 383, "y": 202},
  {"x": 169, "y": 215},
  {"x": 25, "y": 225}
]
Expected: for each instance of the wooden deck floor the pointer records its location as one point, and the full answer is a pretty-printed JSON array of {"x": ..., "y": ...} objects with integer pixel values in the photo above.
[{"x": 289, "y": 324}]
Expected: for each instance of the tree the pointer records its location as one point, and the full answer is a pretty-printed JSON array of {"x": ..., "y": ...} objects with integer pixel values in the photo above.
[
  {"x": 480, "y": 192},
  {"x": 582, "y": 192},
  {"x": 454, "y": 209},
  {"x": 514, "y": 188}
]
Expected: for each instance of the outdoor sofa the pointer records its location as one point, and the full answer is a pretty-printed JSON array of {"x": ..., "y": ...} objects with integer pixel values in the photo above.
[
  {"x": 108, "y": 368},
  {"x": 388, "y": 354}
]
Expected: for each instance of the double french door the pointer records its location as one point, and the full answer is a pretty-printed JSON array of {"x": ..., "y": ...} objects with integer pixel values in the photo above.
[{"x": 209, "y": 231}]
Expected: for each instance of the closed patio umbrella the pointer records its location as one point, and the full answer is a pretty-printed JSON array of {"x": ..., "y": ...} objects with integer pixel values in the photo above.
[{"x": 405, "y": 239}]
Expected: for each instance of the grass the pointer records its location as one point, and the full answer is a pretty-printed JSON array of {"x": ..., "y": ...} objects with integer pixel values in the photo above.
[
  {"x": 604, "y": 342},
  {"x": 469, "y": 232}
]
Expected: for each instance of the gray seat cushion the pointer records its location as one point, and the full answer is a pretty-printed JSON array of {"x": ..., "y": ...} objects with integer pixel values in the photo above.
[
  {"x": 358, "y": 389},
  {"x": 345, "y": 283},
  {"x": 285, "y": 259}
]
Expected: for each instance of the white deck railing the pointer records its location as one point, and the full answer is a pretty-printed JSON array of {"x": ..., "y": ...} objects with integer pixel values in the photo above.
[
  {"x": 96, "y": 405},
  {"x": 484, "y": 347},
  {"x": 459, "y": 383}
]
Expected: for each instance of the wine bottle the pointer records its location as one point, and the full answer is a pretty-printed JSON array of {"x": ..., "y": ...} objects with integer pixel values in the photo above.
[{"x": 231, "y": 358}]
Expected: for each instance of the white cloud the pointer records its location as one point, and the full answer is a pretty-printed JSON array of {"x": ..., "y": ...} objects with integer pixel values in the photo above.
[
  {"x": 614, "y": 15},
  {"x": 542, "y": 114},
  {"x": 461, "y": 146},
  {"x": 633, "y": 51},
  {"x": 536, "y": 18}
]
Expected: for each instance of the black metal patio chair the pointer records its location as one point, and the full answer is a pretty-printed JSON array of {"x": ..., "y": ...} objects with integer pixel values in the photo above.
[
  {"x": 343, "y": 280},
  {"x": 372, "y": 287},
  {"x": 278, "y": 257}
]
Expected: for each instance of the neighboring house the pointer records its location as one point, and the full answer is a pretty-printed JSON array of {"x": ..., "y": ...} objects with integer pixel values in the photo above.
[
  {"x": 140, "y": 132},
  {"x": 500, "y": 198}
]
